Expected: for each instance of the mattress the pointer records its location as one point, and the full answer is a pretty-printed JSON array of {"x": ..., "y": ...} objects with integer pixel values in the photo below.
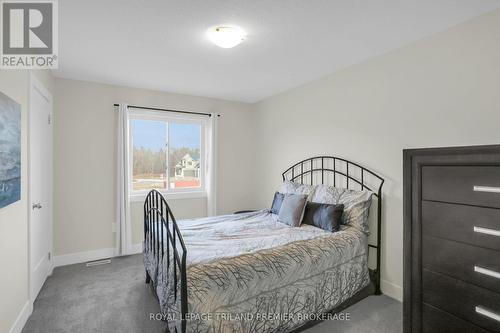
[{"x": 249, "y": 273}]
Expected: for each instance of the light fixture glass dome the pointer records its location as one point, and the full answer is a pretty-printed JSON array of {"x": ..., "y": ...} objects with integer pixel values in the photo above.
[{"x": 226, "y": 36}]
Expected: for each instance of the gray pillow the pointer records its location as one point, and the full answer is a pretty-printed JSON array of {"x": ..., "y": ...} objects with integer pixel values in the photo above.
[
  {"x": 292, "y": 209},
  {"x": 324, "y": 216}
]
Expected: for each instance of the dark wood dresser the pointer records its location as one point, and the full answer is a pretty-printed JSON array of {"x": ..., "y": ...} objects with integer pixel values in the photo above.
[{"x": 452, "y": 240}]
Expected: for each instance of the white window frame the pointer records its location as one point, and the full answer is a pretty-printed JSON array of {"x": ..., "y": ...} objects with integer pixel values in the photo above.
[{"x": 169, "y": 117}]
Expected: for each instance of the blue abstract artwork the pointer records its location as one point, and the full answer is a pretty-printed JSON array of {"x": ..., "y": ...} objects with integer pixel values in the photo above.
[{"x": 10, "y": 151}]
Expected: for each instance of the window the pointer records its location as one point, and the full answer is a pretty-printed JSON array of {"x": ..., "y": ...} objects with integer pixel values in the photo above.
[{"x": 166, "y": 153}]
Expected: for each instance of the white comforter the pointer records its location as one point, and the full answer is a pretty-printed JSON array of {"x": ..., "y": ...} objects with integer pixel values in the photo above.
[
  {"x": 250, "y": 263},
  {"x": 214, "y": 238}
]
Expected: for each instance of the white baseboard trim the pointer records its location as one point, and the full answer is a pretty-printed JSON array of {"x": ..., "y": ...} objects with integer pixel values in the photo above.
[
  {"x": 81, "y": 257},
  {"x": 136, "y": 248},
  {"x": 22, "y": 318},
  {"x": 392, "y": 290}
]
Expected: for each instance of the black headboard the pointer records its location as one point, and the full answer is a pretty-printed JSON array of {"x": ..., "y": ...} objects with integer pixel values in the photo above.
[{"x": 339, "y": 172}]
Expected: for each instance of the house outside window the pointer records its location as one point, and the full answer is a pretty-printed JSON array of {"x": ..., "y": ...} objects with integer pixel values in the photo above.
[{"x": 188, "y": 170}]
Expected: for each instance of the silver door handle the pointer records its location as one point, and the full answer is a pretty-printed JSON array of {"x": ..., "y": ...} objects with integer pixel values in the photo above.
[
  {"x": 37, "y": 205},
  {"x": 491, "y": 189},
  {"x": 487, "y": 231},
  {"x": 486, "y": 271},
  {"x": 487, "y": 313}
]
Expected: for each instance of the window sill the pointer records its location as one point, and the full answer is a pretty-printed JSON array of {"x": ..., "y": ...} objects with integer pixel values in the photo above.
[{"x": 171, "y": 196}]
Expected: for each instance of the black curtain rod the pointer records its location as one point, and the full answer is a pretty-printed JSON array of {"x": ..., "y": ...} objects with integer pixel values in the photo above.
[{"x": 176, "y": 111}]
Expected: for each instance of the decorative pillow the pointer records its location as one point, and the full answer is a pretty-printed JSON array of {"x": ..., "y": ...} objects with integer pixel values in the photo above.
[
  {"x": 296, "y": 188},
  {"x": 292, "y": 209},
  {"x": 277, "y": 201},
  {"x": 356, "y": 203},
  {"x": 324, "y": 216},
  {"x": 327, "y": 194}
]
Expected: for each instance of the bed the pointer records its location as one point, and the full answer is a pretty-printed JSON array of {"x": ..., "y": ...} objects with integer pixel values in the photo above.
[{"x": 250, "y": 273}]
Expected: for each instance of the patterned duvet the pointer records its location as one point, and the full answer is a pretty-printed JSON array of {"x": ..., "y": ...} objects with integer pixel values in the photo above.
[{"x": 249, "y": 273}]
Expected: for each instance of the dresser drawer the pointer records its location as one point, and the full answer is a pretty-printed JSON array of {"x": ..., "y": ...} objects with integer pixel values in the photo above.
[
  {"x": 465, "y": 262},
  {"x": 472, "y": 185},
  {"x": 471, "y": 303},
  {"x": 438, "y": 321},
  {"x": 473, "y": 225}
]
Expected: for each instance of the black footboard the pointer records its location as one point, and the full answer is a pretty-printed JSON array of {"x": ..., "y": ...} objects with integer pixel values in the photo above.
[{"x": 163, "y": 241}]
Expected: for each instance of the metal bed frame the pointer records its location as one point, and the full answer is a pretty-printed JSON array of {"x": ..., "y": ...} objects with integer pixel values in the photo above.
[
  {"x": 324, "y": 167},
  {"x": 158, "y": 217}
]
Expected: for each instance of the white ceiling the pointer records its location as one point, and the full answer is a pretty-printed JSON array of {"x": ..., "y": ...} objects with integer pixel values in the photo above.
[{"x": 161, "y": 44}]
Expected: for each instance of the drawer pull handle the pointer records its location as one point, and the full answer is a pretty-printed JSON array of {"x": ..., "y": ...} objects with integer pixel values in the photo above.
[
  {"x": 490, "y": 189},
  {"x": 487, "y": 231},
  {"x": 487, "y": 313},
  {"x": 486, "y": 271}
]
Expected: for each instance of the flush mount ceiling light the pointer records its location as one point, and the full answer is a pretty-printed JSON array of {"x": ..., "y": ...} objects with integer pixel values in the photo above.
[{"x": 226, "y": 36}]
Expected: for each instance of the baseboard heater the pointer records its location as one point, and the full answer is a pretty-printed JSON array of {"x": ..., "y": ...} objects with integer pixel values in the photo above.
[{"x": 98, "y": 262}]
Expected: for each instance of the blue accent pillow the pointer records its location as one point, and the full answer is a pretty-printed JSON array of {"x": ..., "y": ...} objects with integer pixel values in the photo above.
[
  {"x": 277, "y": 201},
  {"x": 324, "y": 216}
]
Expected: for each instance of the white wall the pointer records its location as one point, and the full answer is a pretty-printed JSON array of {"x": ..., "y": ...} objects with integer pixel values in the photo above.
[
  {"x": 441, "y": 91},
  {"x": 14, "y": 218},
  {"x": 84, "y": 148}
]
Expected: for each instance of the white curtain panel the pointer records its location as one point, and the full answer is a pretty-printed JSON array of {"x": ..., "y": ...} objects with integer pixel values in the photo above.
[
  {"x": 123, "y": 227},
  {"x": 211, "y": 165}
]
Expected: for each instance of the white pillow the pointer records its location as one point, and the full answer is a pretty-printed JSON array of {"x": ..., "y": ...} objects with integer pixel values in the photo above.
[
  {"x": 356, "y": 204},
  {"x": 289, "y": 187}
]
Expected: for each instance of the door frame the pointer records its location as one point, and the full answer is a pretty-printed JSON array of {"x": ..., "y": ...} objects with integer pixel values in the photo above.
[{"x": 36, "y": 84}]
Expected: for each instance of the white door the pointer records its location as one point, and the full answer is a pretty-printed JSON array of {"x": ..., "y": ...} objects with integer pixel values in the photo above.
[{"x": 40, "y": 185}]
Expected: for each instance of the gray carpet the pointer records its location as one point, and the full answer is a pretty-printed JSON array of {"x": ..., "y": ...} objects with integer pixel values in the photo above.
[{"x": 114, "y": 298}]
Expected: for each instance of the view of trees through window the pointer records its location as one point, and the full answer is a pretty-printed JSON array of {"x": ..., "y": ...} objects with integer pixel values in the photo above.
[{"x": 156, "y": 143}]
